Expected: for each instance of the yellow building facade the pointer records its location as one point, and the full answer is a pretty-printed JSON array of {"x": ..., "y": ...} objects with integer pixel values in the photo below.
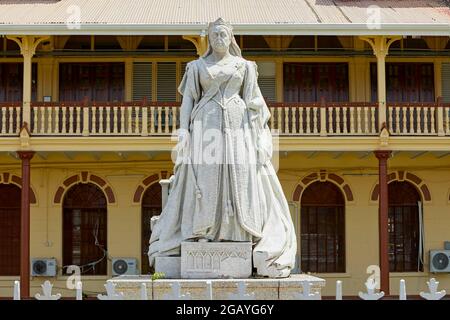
[
  {"x": 122, "y": 146},
  {"x": 124, "y": 215}
]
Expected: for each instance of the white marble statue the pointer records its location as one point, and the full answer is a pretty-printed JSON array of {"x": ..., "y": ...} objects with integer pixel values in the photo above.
[{"x": 224, "y": 186}]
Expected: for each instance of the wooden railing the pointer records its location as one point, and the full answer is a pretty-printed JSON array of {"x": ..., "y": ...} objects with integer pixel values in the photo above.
[
  {"x": 446, "y": 118},
  {"x": 142, "y": 119},
  {"x": 104, "y": 119},
  {"x": 412, "y": 119},
  {"x": 324, "y": 119},
  {"x": 287, "y": 119},
  {"x": 419, "y": 119},
  {"x": 10, "y": 118}
]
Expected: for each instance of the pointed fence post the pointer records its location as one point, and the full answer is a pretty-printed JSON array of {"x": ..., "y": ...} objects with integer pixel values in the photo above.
[
  {"x": 47, "y": 292},
  {"x": 339, "y": 290},
  {"x": 209, "y": 293},
  {"x": 16, "y": 290},
  {"x": 79, "y": 288},
  {"x": 402, "y": 290},
  {"x": 371, "y": 284},
  {"x": 433, "y": 294},
  {"x": 144, "y": 295}
]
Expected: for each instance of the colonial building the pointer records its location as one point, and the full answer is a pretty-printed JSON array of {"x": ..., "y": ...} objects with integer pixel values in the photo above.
[{"x": 359, "y": 93}]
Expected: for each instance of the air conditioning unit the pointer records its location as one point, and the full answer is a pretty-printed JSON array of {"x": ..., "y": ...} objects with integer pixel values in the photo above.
[
  {"x": 440, "y": 261},
  {"x": 43, "y": 267},
  {"x": 124, "y": 266}
]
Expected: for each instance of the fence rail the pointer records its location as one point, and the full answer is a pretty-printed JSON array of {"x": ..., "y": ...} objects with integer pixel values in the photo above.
[
  {"x": 308, "y": 292},
  {"x": 10, "y": 119},
  {"x": 144, "y": 118},
  {"x": 446, "y": 117},
  {"x": 103, "y": 119},
  {"x": 138, "y": 119},
  {"x": 320, "y": 119}
]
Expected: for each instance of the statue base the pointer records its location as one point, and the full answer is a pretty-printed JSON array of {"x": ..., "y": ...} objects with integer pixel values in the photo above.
[
  {"x": 170, "y": 266},
  {"x": 263, "y": 289},
  {"x": 208, "y": 260},
  {"x": 216, "y": 260}
]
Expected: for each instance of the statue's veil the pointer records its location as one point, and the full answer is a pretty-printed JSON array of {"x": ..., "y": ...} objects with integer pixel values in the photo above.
[{"x": 234, "y": 47}]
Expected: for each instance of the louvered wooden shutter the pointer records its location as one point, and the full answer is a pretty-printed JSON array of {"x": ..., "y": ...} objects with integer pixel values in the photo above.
[
  {"x": 266, "y": 80},
  {"x": 182, "y": 72},
  {"x": 142, "y": 81},
  {"x": 166, "y": 82},
  {"x": 446, "y": 82},
  {"x": 183, "y": 69}
]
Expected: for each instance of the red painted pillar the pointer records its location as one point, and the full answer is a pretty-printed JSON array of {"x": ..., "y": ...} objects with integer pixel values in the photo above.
[
  {"x": 25, "y": 156},
  {"x": 383, "y": 207}
]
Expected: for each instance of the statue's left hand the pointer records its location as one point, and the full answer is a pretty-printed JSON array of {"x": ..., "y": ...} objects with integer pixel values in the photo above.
[
  {"x": 264, "y": 146},
  {"x": 182, "y": 148}
]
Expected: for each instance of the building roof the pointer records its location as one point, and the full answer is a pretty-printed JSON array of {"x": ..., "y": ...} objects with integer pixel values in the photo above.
[{"x": 346, "y": 17}]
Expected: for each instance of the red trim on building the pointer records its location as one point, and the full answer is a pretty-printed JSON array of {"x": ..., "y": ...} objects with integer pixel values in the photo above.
[
  {"x": 383, "y": 230},
  {"x": 26, "y": 157}
]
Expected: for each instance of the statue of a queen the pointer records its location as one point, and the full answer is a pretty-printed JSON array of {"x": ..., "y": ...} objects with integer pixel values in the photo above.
[{"x": 224, "y": 186}]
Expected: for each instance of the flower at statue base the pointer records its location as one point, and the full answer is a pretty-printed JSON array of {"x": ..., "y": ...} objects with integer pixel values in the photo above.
[{"x": 158, "y": 275}]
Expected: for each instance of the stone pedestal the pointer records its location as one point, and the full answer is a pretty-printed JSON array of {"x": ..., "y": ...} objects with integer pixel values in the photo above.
[
  {"x": 216, "y": 260},
  {"x": 290, "y": 287},
  {"x": 170, "y": 266},
  {"x": 263, "y": 289},
  {"x": 131, "y": 286}
]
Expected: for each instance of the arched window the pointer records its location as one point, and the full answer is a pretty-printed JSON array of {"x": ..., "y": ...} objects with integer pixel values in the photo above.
[
  {"x": 151, "y": 206},
  {"x": 322, "y": 228},
  {"x": 10, "y": 196},
  {"x": 84, "y": 227},
  {"x": 405, "y": 247}
]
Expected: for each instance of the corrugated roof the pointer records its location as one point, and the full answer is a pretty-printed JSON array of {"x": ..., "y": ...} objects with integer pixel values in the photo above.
[{"x": 138, "y": 14}]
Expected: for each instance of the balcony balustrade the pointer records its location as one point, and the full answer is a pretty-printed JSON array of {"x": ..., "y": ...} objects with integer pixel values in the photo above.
[{"x": 85, "y": 119}]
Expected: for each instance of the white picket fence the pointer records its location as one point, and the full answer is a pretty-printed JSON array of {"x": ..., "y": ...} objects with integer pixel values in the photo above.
[{"x": 240, "y": 294}]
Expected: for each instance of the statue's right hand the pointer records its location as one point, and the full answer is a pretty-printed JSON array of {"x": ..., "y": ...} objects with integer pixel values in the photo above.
[{"x": 183, "y": 140}]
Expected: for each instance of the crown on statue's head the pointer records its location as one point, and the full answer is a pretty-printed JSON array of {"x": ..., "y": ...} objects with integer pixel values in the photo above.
[{"x": 219, "y": 22}]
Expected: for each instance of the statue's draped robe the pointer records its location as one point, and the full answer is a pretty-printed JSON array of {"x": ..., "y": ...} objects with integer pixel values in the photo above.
[{"x": 224, "y": 186}]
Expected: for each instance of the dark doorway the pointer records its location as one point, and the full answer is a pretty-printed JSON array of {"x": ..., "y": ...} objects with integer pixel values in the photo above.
[
  {"x": 151, "y": 206},
  {"x": 404, "y": 228},
  {"x": 10, "y": 196},
  {"x": 85, "y": 229},
  {"x": 322, "y": 228}
]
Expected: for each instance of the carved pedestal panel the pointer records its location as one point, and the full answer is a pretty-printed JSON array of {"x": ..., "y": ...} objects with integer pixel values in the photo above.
[{"x": 213, "y": 260}]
